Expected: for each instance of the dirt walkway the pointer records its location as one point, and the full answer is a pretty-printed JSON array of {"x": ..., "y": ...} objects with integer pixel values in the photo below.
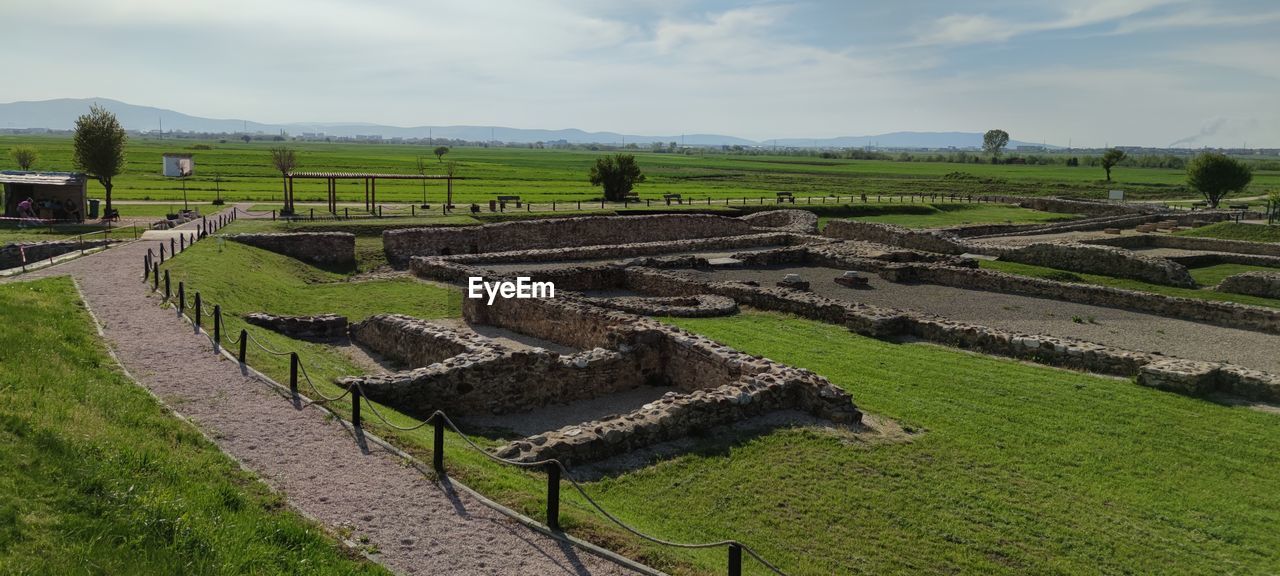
[{"x": 417, "y": 525}]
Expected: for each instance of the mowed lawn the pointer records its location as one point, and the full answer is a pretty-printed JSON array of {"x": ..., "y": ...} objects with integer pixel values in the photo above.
[
  {"x": 97, "y": 478},
  {"x": 1019, "y": 470},
  {"x": 243, "y": 172},
  {"x": 1235, "y": 231}
]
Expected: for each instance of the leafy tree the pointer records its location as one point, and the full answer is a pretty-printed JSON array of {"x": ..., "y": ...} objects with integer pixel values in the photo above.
[
  {"x": 25, "y": 156},
  {"x": 285, "y": 160},
  {"x": 1110, "y": 158},
  {"x": 618, "y": 174},
  {"x": 99, "y": 148},
  {"x": 994, "y": 141},
  {"x": 440, "y": 152},
  {"x": 1215, "y": 175},
  {"x": 247, "y": 138}
]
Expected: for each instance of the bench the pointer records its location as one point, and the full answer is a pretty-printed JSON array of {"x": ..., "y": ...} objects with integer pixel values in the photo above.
[
  {"x": 786, "y": 197},
  {"x": 670, "y": 197},
  {"x": 1238, "y": 206},
  {"x": 504, "y": 199}
]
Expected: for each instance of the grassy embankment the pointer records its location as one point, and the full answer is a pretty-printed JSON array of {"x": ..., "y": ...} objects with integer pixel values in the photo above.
[
  {"x": 96, "y": 477},
  {"x": 13, "y": 233},
  {"x": 1019, "y": 468},
  {"x": 543, "y": 175}
]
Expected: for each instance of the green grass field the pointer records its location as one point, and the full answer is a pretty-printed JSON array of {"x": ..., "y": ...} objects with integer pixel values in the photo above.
[
  {"x": 12, "y": 233},
  {"x": 1207, "y": 277},
  {"x": 1016, "y": 469},
  {"x": 245, "y": 173},
  {"x": 1234, "y": 231},
  {"x": 97, "y": 478}
]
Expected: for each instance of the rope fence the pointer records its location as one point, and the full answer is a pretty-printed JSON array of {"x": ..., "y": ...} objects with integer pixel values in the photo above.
[{"x": 440, "y": 422}]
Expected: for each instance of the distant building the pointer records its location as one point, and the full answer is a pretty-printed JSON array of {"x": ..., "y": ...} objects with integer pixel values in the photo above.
[{"x": 178, "y": 165}]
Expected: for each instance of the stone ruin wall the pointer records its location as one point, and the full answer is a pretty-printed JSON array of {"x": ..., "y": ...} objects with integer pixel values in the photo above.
[
  {"x": 11, "y": 254},
  {"x": 629, "y": 250},
  {"x": 924, "y": 240},
  {"x": 1227, "y": 314},
  {"x": 1095, "y": 259},
  {"x": 1264, "y": 284},
  {"x": 797, "y": 221},
  {"x": 324, "y": 248},
  {"x": 557, "y": 233},
  {"x": 1191, "y": 243}
]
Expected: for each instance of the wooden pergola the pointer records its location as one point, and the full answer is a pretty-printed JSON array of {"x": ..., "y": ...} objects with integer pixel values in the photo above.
[{"x": 370, "y": 185}]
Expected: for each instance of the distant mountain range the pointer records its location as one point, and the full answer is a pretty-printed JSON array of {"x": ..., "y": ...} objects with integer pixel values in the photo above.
[{"x": 61, "y": 113}]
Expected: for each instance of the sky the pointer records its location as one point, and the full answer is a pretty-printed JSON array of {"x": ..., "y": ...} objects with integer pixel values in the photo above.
[{"x": 1082, "y": 72}]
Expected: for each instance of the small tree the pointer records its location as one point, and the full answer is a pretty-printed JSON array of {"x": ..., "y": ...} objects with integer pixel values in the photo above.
[
  {"x": 440, "y": 152},
  {"x": 247, "y": 138},
  {"x": 25, "y": 156},
  {"x": 285, "y": 160},
  {"x": 1215, "y": 175},
  {"x": 618, "y": 174},
  {"x": 993, "y": 142},
  {"x": 1110, "y": 159},
  {"x": 99, "y": 148}
]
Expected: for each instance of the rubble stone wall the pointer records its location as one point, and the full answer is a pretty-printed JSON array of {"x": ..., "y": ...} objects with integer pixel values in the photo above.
[
  {"x": 1104, "y": 260},
  {"x": 926, "y": 240},
  {"x": 11, "y": 254},
  {"x": 556, "y": 233},
  {"x": 1264, "y": 284},
  {"x": 324, "y": 248},
  {"x": 798, "y": 221},
  {"x": 320, "y": 327},
  {"x": 1191, "y": 243}
]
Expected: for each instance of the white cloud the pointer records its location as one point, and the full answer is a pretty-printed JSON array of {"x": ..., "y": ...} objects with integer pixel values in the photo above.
[{"x": 958, "y": 29}]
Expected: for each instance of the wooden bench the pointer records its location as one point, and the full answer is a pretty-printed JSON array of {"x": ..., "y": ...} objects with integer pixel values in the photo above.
[
  {"x": 670, "y": 197},
  {"x": 786, "y": 197},
  {"x": 629, "y": 198},
  {"x": 1238, "y": 206},
  {"x": 504, "y": 199}
]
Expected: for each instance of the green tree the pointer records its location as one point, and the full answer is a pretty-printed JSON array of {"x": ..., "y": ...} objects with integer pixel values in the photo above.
[
  {"x": 440, "y": 152},
  {"x": 1215, "y": 175},
  {"x": 99, "y": 148},
  {"x": 1110, "y": 158},
  {"x": 618, "y": 174},
  {"x": 25, "y": 156},
  {"x": 285, "y": 160},
  {"x": 994, "y": 141}
]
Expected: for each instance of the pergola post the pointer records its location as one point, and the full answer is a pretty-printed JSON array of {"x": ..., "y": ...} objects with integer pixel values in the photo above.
[
  {"x": 288, "y": 202},
  {"x": 366, "y": 194},
  {"x": 373, "y": 194}
]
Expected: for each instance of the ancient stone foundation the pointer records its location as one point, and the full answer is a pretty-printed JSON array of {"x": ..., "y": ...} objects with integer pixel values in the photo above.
[
  {"x": 323, "y": 248},
  {"x": 11, "y": 254},
  {"x": 1104, "y": 260},
  {"x": 322, "y": 327},
  {"x": 889, "y": 234},
  {"x": 1264, "y": 284}
]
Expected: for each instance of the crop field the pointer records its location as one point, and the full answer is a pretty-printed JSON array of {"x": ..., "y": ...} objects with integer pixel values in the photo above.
[
  {"x": 98, "y": 478},
  {"x": 244, "y": 172},
  {"x": 1010, "y": 468}
]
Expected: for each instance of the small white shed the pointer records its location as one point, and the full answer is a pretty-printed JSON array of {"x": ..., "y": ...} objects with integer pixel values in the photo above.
[{"x": 178, "y": 165}]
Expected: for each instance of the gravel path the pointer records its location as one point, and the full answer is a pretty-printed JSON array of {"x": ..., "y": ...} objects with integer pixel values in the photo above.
[
  {"x": 417, "y": 525},
  {"x": 1110, "y": 326}
]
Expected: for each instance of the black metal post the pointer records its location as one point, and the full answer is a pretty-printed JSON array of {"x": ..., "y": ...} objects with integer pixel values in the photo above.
[
  {"x": 146, "y": 267},
  {"x": 735, "y": 559},
  {"x": 293, "y": 373},
  {"x": 155, "y": 276},
  {"x": 166, "y": 284},
  {"x": 198, "y": 312},
  {"x": 355, "y": 406},
  {"x": 162, "y": 252},
  {"x": 437, "y": 446},
  {"x": 182, "y": 298},
  {"x": 172, "y": 243},
  {"x": 217, "y": 324},
  {"x": 182, "y": 242},
  {"x": 553, "y": 496},
  {"x": 244, "y": 343}
]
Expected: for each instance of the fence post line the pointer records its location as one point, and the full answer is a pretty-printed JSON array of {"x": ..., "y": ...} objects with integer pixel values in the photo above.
[
  {"x": 172, "y": 244},
  {"x": 553, "y": 495},
  {"x": 735, "y": 559},
  {"x": 437, "y": 444},
  {"x": 182, "y": 298},
  {"x": 293, "y": 373},
  {"x": 155, "y": 276},
  {"x": 217, "y": 324},
  {"x": 182, "y": 242},
  {"x": 198, "y": 311},
  {"x": 244, "y": 343},
  {"x": 355, "y": 406},
  {"x": 166, "y": 284},
  {"x": 162, "y": 252},
  {"x": 146, "y": 267}
]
